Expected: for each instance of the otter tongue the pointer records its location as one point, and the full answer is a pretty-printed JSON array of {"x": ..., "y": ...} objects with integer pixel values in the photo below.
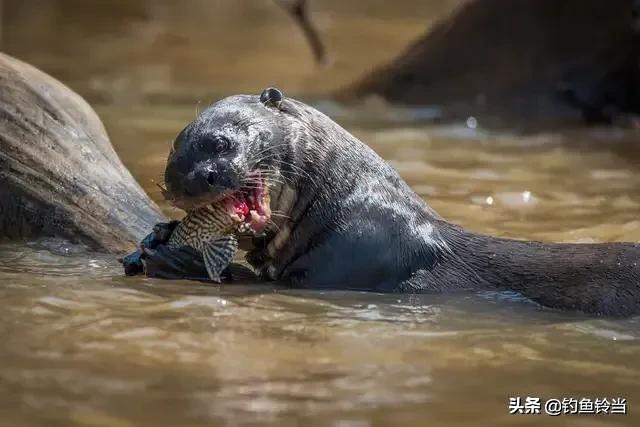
[
  {"x": 237, "y": 208},
  {"x": 241, "y": 207}
]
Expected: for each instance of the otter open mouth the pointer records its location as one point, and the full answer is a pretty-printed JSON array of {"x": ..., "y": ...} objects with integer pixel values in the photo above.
[{"x": 249, "y": 207}]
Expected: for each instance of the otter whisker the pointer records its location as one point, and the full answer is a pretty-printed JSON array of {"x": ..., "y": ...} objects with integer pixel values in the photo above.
[
  {"x": 294, "y": 166},
  {"x": 280, "y": 215},
  {"x": 301, "y": 175},
  {"x": 271, "y": 147},
  {"x": 264, "y": 175}
]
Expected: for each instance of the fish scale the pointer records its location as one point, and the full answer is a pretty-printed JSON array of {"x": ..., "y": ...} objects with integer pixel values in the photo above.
[{"x": 209, "y": 230}]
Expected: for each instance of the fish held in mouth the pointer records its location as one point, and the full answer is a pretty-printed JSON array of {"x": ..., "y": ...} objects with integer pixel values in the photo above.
[{"x": 211, "y": 229}]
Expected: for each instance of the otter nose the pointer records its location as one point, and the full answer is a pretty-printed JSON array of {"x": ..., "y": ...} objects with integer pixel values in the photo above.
[
  {"x": 209, "y": 179},
  {"x": 199, "y": 182}
]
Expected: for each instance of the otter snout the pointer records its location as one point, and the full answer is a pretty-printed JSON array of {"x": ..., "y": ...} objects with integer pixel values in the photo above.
[
  {"x": 199, "y": 182},
  {"x": 202, "y": 182}
]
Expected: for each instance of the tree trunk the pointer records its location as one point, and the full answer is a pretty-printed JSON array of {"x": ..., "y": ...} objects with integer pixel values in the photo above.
[{"x": 59, "y": 175}]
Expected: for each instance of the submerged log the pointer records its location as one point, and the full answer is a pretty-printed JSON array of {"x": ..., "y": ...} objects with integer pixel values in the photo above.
[
  {"x": 526, "y": 58},
  {"x": 59, "y": 174}
]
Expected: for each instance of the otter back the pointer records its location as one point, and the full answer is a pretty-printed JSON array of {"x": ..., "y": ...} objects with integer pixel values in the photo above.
[{"x": 209, "y": 230}]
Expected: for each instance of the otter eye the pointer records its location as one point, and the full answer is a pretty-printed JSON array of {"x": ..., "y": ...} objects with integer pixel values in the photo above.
[
  {"x": 221, "y": 144},
  {"x": 215, "y": 143}
]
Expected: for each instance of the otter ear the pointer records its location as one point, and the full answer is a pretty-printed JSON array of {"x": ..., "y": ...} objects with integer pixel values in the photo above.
[{"x": 271, "y": 97}]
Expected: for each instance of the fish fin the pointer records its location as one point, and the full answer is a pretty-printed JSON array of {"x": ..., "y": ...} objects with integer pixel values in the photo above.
[{"x": 218, "y": 254}]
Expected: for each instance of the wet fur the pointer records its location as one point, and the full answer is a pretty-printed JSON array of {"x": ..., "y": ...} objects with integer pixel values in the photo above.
[{"x": 349, "y": 221}]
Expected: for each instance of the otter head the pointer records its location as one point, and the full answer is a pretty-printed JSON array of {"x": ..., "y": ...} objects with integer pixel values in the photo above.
[{"x": 223, "y": 157}]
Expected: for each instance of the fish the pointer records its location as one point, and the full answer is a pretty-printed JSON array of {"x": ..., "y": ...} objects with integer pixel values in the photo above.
[{"x": 210, "y": 231}]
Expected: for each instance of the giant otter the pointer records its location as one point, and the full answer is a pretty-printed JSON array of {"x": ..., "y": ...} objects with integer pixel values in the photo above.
[{"x": 343, "y": 218}]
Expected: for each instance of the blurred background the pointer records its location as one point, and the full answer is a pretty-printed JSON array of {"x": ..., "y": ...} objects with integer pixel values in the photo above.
[
  {"x": 123, "y": 51},
  {"x": 526, "y": 63}
]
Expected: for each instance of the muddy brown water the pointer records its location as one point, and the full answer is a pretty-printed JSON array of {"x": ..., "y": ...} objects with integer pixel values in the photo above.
[{"x": 80, "y": 345}]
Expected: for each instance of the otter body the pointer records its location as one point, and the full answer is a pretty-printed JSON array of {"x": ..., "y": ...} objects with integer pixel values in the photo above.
[{"x": 347, "y": 220}]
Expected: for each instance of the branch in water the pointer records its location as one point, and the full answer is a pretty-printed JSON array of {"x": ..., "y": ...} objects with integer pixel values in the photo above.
[{"x": 299, "y": 10}]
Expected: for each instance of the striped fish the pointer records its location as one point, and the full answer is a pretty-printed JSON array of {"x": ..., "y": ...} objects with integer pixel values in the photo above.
[{"x": 208, "y": 230}]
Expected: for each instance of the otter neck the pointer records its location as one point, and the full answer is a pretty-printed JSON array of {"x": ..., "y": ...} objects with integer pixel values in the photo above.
[
  {"x": 594, "y": 278},
  {"x": 302, "y": 161}
]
